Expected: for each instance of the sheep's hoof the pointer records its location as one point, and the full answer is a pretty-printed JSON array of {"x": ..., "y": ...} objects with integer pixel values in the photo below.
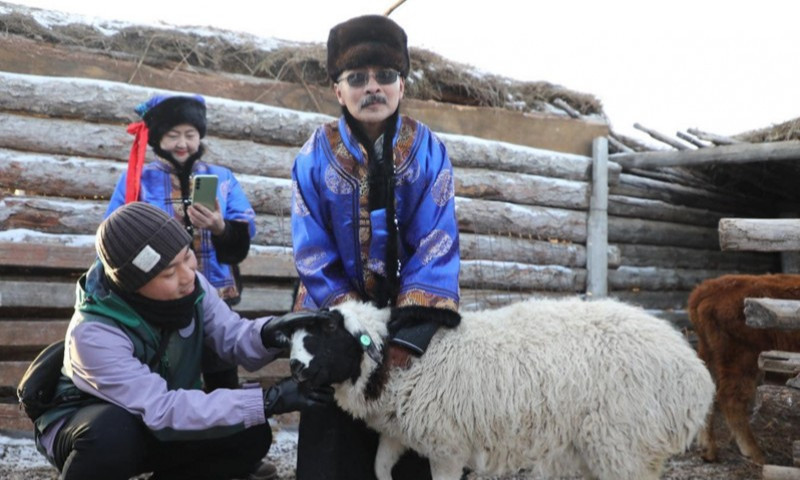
[{"x": 709, "y": 455}]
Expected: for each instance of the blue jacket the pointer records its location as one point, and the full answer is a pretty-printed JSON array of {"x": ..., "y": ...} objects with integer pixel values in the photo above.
[
  {"x": 339, "y": 245},
  {"x": 161, "y": 189}
]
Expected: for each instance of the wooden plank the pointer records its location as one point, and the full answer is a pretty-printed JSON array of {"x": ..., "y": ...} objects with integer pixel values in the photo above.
[
  {"x": 36, "y": 294},
  {"x": 12, "y": 418},
  {"x": 49, "y": 294},
  {"x": 524, "y": 249},
  {"x": 11, "y": 372},
  {"x": 652, "y": 300},
  {"x": 665, "y": 256},
  {"x": 723, "y": 155},
  {"x": 50, "y": 256},
  {"x": 52, "y": 215},
  {"x": 499, "y": 218},
  {"x": 778, "y": 472},
  {"x": 112, "y": 102},
  {"x": 82, "y": 217},
  {"x": 678, "y": 318},
  {"x": 691, "y": 196},
  {"x": 652, "y": 209},
  {"x": 31, "y": 333},
  {"x": 661, "y": 137},
  {"x": 474, "y": 153},
  {"x": 597, "y": 227},
  {"x": 521, "y": 188},
  {"x": 487, "y": 274},
  {"x": 652, "y": 278},
  {"x": 56, "y": 136},
  {"x": 772, "y": 313},
  {"x": 652, "y": 232},
  {"x": 777, "y": 361},
  {"x": 691, "y": 139},
  {"x": 713, "y": 137},
  {"x": 760, "y": 235}
]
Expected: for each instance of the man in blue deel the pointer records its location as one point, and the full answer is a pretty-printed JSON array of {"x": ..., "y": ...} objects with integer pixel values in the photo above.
[{"x": 373, "y": 219}]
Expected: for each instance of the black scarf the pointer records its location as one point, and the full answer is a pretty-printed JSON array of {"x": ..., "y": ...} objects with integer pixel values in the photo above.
[
  {"x": 380, "y": 177},
  {"x": 168, "y": 315}
]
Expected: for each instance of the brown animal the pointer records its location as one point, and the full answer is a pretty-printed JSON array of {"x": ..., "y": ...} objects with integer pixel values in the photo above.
[{"x": 730, "y": 348}]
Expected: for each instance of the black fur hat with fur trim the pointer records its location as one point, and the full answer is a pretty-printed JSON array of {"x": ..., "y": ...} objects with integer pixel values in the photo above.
[
  {"x": 163, "y": 112},
  {"x": 364, "y": 41}
]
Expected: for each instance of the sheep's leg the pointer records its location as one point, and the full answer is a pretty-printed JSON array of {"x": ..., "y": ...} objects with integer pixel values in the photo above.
[
  {"x": 389, "y": 452},
  {"x": 446, "y": 469},
  {"x": 705, "y": 437},
  {"x": 733, "y": 397}
]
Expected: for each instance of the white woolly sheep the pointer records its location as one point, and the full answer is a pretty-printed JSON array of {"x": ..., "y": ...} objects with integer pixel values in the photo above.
[{"x": 557, "y": 387}]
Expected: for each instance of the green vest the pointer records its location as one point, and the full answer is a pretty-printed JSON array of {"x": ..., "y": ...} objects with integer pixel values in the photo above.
[{"x": 180, "y": 365}]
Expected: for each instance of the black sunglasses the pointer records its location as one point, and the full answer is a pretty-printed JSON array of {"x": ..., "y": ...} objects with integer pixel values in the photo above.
[{"x": 359, "y": 79}]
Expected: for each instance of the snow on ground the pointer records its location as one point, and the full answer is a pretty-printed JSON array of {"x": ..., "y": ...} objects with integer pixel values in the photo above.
[{"x": 19, "y": 459}]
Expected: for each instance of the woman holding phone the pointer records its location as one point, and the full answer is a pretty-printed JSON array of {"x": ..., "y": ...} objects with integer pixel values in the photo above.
[{"x": 173, "y": 126}]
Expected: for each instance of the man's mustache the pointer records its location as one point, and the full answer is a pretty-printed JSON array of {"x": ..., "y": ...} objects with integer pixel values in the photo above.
[{"x": 372, "y": 99}]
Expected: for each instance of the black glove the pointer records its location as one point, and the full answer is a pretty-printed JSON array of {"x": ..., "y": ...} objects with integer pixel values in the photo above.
[
  {"x": 413, "y": 327},
  {"x": 274, "y": 338},
  {"x": 277, "y": 332},
  {"x": 286, "y": 396}
]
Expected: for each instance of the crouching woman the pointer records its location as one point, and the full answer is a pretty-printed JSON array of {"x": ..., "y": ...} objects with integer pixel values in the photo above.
[{"x": 131, "y": 377}]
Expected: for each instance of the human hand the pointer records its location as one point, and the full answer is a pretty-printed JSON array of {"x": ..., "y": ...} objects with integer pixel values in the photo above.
[
  {"x": 287, "y": 396},
  {"x": 202, "y": 217}
]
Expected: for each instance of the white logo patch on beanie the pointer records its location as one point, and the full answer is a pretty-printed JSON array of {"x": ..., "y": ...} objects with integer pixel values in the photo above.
[{"x": 146, "y": 259}]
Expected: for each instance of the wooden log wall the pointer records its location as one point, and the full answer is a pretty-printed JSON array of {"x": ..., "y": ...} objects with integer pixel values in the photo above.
[
  {"x": 522, "y": 211},
  {"x": 63, "y": 147},
  {"x": 664, "y": 222}
]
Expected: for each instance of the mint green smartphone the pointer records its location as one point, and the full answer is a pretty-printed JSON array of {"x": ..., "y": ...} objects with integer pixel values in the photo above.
[{"x": 204, "y": 191}]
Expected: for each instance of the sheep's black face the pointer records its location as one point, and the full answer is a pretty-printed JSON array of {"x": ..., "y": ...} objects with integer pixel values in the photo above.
[{"x": 325, "y": 353}]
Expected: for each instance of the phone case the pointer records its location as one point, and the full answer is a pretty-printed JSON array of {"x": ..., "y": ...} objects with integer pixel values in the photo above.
[{"x": 204, "y": 190}]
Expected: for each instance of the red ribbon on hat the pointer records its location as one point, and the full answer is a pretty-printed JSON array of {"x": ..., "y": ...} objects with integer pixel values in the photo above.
[{"x": 136, "y": 161}]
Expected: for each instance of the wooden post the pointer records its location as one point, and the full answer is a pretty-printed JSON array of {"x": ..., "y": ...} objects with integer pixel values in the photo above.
[
  {"x": 790, "y": 259},
  {"x": 694, "y": 141},
  {"x": 597, "y": 234},
  {"x": 661, "y": 137},
  {"x": 759, "y": 234},
  {"x": 777, "y": 472},
  {"x": 776, "y": 313}
]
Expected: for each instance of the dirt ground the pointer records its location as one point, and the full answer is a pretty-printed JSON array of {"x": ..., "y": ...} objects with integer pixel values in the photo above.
[{"x": 20, "y": 461}]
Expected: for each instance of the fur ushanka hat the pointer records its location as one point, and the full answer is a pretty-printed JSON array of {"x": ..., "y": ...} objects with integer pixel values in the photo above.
[
  {"x": 163, "y": 112},
  {"x": 364, "y": 41}
]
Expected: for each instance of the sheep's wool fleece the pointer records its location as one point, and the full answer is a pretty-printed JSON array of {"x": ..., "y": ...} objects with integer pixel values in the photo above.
[{"x": 558, "y": 386}]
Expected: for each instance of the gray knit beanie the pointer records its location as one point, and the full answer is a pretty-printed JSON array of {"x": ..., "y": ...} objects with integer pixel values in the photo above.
[{"x": 136, "y": 242}]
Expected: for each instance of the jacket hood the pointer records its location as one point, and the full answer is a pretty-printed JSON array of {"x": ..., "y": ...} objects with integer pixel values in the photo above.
[{"x": 93, "y": 295}]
